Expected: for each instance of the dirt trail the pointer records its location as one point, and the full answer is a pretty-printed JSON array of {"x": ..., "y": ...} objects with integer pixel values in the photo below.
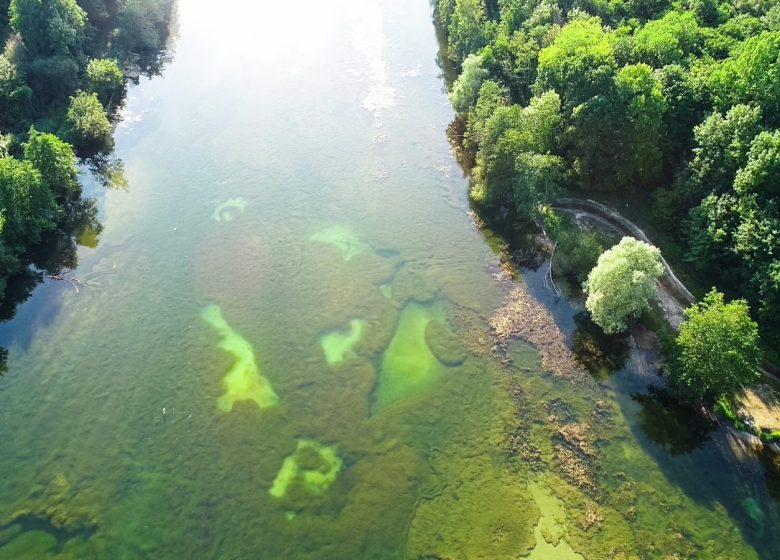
[{"x": 673, "y": 296}]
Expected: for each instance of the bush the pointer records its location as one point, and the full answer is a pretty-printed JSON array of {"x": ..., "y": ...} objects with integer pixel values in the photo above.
[
  {"x": 105, "y": 78},
  {"x": 87, "y": 119}
]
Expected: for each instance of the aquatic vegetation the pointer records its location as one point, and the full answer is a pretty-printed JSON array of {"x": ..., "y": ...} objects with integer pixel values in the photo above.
[
  {"x": 313, "y": 466},
  {"x": 230, "y": 209},
  {"x": 230, "y": 265},
  {"x": 408, "y": 365},
  {"x": 444, "y": 344},
  {"x": 337, "y": 345},
  {"x": 550, "y": 530},
  {"x": 523, "y": 316},
  {"x": 344, "y": 239},
  {"x": 243, "y": 381},
  {"x": 756, "y": 514}
]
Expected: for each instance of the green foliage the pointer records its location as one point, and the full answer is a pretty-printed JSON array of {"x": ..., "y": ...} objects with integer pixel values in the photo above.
[
  {"x": 55, "y": 161},
  {"x": 538, "y": 178},
  {"x": 513, "y": 161},
  {"x": 718, "y": 349},
  {"x": 105, "y": 78},
  {"x": 751, "y": 75},
  {"x": 622, "y": 284},
  {"x": 26, "y": 204},
  {"x": 616, "y": 137},
  {"x": 677, "y": 100},
  {"x": 142, "y": 25},
  {"x": 49, "y": 27},
  {"x": 491, "y": 96},
  {"x": 466, "y": 88},
  {"x": 668, "y": 40},
  {"x": 87, "y": 119},
  {"x": 577, "y": 252},
  {"x": 468, "y": 28},
  {"x": 579, "y": 64}
]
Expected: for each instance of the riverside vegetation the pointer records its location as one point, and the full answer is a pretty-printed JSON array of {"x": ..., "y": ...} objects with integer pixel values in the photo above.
[
  {"x": 62, "y": 80},
  {"x": 676, "y": 103}
]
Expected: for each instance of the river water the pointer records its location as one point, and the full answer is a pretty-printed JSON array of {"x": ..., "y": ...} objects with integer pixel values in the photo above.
[{"x": 284, "y": 349}]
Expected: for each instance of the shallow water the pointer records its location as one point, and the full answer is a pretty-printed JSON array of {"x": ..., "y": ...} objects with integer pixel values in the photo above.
[{"x": 256, "y": 372}]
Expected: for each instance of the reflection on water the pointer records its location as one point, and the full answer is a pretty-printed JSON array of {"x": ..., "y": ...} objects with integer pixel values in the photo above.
[{"x": 312, "y": 375}]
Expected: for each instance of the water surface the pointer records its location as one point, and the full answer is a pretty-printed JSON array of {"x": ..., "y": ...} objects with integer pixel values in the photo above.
[{"x": 286, "y": 354}]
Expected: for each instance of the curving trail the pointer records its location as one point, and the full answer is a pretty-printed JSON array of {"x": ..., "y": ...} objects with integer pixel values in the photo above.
[{"x": 673, "y": 296}]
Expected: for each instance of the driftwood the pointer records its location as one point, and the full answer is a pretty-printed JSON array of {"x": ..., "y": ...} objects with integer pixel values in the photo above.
[{"x": 75, "y": 281}]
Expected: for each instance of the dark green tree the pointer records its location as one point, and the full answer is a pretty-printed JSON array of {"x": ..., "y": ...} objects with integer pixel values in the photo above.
[{"x": 718, "y": 349}]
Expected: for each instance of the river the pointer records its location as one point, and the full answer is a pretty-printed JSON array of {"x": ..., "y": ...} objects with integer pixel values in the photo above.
[{"x": 284, "y": 349}]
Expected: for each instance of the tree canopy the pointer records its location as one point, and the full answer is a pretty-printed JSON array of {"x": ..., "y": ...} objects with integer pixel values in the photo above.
[
  {"x": 718, "y": 349},
  {"x": 679, "y": 102},
  {"x": 622, "y": 284}
]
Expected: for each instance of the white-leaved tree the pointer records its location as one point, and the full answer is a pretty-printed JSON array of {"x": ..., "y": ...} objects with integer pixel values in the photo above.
[{"x": 622, "y": 283}]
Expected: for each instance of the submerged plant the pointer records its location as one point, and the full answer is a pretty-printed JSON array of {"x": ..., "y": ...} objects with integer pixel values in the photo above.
[{"x": 243, "y": 381}]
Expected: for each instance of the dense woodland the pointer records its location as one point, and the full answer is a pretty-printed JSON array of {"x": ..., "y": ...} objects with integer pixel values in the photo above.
[
  {"x": 675, "y": 103},
  {"x": 63, "y": 72}
]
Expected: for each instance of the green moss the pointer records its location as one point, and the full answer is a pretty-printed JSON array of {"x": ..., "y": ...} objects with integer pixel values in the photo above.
[
  {"x": 337, "y": 345},
  {"x": 444, "y": 344},
  {"x": 342, "y": 238},
  {"x": 312, "y": 465},
  {"x": 243, "y": 381},
  {"x": 230, "y": 209},
  {"x": 408, "y": 365},
  {"x": 29, "y": 544}
]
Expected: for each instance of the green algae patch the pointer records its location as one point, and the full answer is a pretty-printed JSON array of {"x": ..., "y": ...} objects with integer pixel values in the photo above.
[
  {"x": 229, "y": 210},
  {"x": 551, "y": 528},
  {"x": 344, "y": 239},
  {"x": 312, "y": 466},
  {"x": 337, "y": 345},
  {"x": 243, "y": 381},
  {"x": 444, "y": 344},
  {"x": 408, "y": 365}
]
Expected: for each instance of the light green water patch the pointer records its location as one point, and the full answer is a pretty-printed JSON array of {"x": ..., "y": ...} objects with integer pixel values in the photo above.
[
  {"x": 312, "y": 465},
  {"x": 551, "y": 528},
  {"x": 344, "y": 239},
  {"x": 229, "y": 210},
  {"x": 387, "y": 290},
  {"x": 408, "y": 365},
  {"x": 339, "y": 344},
  {"x": 243, "y": 381}
]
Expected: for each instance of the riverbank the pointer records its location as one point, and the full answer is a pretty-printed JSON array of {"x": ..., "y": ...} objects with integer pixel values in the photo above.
[{"x": 758, "y": 409}]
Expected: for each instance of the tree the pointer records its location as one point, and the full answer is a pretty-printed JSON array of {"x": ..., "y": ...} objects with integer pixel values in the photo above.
[
  {"x": 105, "y": 78},
  {"x": 616, "y": 136},
  {"x": 622, "y": 283},
  {"x": 538, "y": 178},
  {"x": 718, "y": 349},
  {"x": 468, "y": 29},
  {"x": 491, "y": 96},
  {"x": 87, "y": 119},
  {"x": 668, "y": 40},
  {"x": 466, "y": 88},
  {"x": 579, "y": 64},
  {"x": 27, "y": 206},
  {"x": 49, "y": 27},
  {"x": 751, "y": 75},
  {"x": 55, "y": 161}
]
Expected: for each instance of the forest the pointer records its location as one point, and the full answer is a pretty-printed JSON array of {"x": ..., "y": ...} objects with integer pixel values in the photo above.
[
  {"x": 63, "y": 72},
  {"x": 676, "y": 104}
]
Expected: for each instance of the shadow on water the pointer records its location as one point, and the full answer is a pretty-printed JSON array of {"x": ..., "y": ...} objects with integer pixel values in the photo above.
[
  {"x": 710, "y": 464},
  {"x": 51, "y": 263}
]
